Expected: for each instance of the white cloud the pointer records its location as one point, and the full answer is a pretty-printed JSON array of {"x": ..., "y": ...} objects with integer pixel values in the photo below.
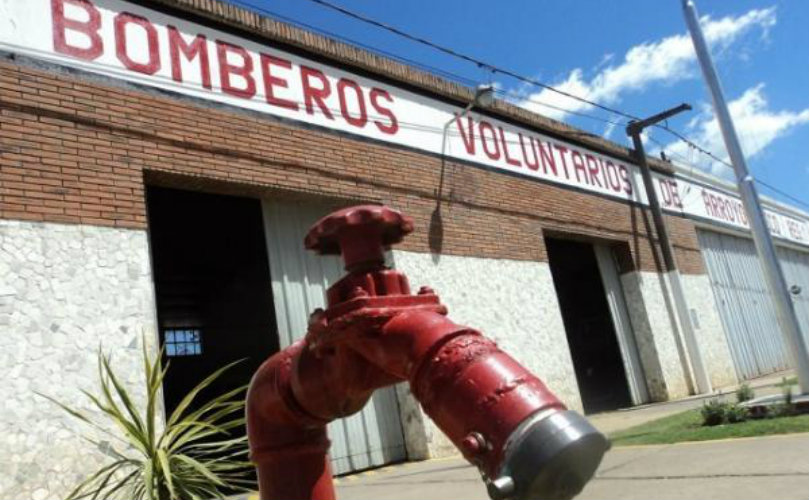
[
  {"x": 664, "y": 61},
  {"x": 756, "y": 125}
]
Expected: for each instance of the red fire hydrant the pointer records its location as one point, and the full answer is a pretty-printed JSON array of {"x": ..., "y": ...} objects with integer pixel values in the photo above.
[{"x": 375, "y": 333}]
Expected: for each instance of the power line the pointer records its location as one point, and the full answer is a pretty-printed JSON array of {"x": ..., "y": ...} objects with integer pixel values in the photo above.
[
  {"x": 433, "y": 69},
  {"x": 524, "y": 98},
  {"x": 466, "y": 80},
  {"x": 782, "y": 193},
  {"x": 507, "y": 72},
  {"x": 478, "y": 62},
  {"x": 758, "y": 181},
  {"x": 694, "y": 145},
  {"x": 517, "y": 76}
]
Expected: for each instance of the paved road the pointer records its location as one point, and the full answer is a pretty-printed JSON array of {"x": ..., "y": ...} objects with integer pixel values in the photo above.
[{"x": 774, "y": 467}]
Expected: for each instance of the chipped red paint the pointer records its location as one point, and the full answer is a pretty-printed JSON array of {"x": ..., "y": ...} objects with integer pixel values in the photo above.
[{"x": 376, "y": 333}]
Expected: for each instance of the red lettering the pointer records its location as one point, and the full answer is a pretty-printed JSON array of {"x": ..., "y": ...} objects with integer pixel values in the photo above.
[
  {"x": 718, "y": 209},
  {"x": 562, "y": 150},
  {"x": 88, "y": 28},
  {"x": 592, "y": 168},
  {"x": 675, "y": 194},
  {"x": 612, "y": 175},
  {"x": 603, "y": 170},
  {"x": 494, "y": 155},
  {"x": 724, "y": 208},
  {"x": 578, "y": 165},
  {"x": 628, "y": 189},
  {"x": 714, "y": 209},
  {"x": 706, "y": 201},
  {"x": 314, "y": 95},
  {"x": 509, "y": 159},
  {"x": 535, "y": 164},
  {"x": 271, "y": 81},
  {"x": 664, "y": 191},
  {"x": 547, "y": 158},
  {"x": 357, "y": 121},
  {"x": 772, "y": 224},
  {"x": 742, "y": 213},
  {"x": 468, "y": 138},
  {"x": 797, "y": 230},
  {"x": 152, "y": 65},
  {"x": 197, "y": 48},
  {"x": 243, "y": 70},
  {"x": 383, "y": 127}
]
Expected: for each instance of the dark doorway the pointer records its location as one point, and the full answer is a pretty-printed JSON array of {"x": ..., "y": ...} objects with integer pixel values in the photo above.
[
  {"x": 590, "y": 332},
  {"x": 214, "y": 297}
]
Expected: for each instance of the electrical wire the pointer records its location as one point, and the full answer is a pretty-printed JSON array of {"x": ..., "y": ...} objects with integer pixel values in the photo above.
[
  {"x": 433, "y": 69},
  {"x": 537, "y": 83},
  {"x": 352, "y": 41},
  {"x": 523, "y": 98},
  {"x": 503, "y": 71},
  {"x": 782, "y": 193},
  {"x": 494, "y": 69},
  {"x": 757, "y": 181},
  {"x": 478, "y": 62}
]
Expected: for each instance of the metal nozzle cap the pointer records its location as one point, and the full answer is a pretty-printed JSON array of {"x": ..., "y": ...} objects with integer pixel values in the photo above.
[{"x": 551, "y": 456}]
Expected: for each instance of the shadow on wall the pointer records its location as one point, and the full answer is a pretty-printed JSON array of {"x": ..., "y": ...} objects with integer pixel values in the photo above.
[{"x": 435, "y": 236}]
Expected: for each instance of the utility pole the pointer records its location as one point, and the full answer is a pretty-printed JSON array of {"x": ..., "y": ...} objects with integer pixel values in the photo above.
[
  {"x": 785, "y": 309},
  {"x": 693, "y": 358}
]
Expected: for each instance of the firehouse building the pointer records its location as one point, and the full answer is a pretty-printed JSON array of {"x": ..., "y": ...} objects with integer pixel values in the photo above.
[{"x": 162, "y": 160}]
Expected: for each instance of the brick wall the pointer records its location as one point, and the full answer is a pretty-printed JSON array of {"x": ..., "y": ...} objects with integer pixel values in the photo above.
[{"x": 76, "y": 150}]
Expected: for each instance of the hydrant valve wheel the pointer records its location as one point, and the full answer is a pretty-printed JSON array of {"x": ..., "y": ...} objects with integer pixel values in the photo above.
[{"x": 361, "y": 233}]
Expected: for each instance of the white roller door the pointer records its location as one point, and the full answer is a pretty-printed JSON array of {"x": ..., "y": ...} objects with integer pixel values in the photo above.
[
  {"x": 747, "y": 312},
  {"x": 796, "y": 272},
  {"x": 745, "y": 306},
  {"x": 300, "y": 278}
]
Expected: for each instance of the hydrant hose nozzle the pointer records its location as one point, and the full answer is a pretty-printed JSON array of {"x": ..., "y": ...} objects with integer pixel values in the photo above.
[
  {"x": 551, "y": 455},
  {"x": 375, "y": 333}
]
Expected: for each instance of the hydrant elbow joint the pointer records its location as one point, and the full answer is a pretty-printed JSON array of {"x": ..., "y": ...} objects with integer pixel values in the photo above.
[{"x": 374, "y": 333}]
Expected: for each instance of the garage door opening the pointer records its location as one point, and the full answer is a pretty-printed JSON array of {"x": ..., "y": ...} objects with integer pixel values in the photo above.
[
  {"x": 591, "y": 334},
  {"x": 212, "y": 281}
]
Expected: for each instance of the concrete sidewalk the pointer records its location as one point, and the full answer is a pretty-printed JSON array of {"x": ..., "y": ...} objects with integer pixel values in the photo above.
[
  {"x": 775, "y": 467},
  {"x": 768, "y": 467},
  {"x": 610, "y": 422}
]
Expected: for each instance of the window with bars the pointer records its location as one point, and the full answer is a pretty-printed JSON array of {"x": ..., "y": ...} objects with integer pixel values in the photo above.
[{"x": 182, "y": 341}]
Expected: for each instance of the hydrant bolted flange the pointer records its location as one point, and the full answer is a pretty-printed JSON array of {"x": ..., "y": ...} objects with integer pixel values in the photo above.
[{"x": 375, "y": 333}]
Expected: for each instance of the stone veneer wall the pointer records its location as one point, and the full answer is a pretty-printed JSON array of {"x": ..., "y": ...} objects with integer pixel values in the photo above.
[
  {"x": 655, "y": 330},
  {"x": 654, "y": 327},
  {"x": 710, "y": 333},
  {"x": 512, "y": 302},
  {"x": 64, "y": 290}
]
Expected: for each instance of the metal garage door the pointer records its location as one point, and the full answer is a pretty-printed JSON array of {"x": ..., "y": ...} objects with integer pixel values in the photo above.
[
  {"x": 796, "y": 271},
  {"x": 300, "y": 278},
  {"x": 747, "y": 311}
]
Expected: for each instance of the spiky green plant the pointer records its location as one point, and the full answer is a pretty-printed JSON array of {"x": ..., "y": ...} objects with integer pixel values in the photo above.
[{"x": 194, "y": 456}]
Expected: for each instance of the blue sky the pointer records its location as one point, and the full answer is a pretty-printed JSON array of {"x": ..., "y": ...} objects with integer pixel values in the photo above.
[{"x": 633, "y": 55}]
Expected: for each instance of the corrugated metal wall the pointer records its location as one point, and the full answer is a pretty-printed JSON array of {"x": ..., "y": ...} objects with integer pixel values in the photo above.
[
  {"x": 747, "y": 311},
  {"x": 796, "y": 271},
  {"x": 300, "y": 278}
]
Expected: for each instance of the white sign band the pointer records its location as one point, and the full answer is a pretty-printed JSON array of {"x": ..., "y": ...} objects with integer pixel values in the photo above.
[{"x": 126, "y": 41}]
